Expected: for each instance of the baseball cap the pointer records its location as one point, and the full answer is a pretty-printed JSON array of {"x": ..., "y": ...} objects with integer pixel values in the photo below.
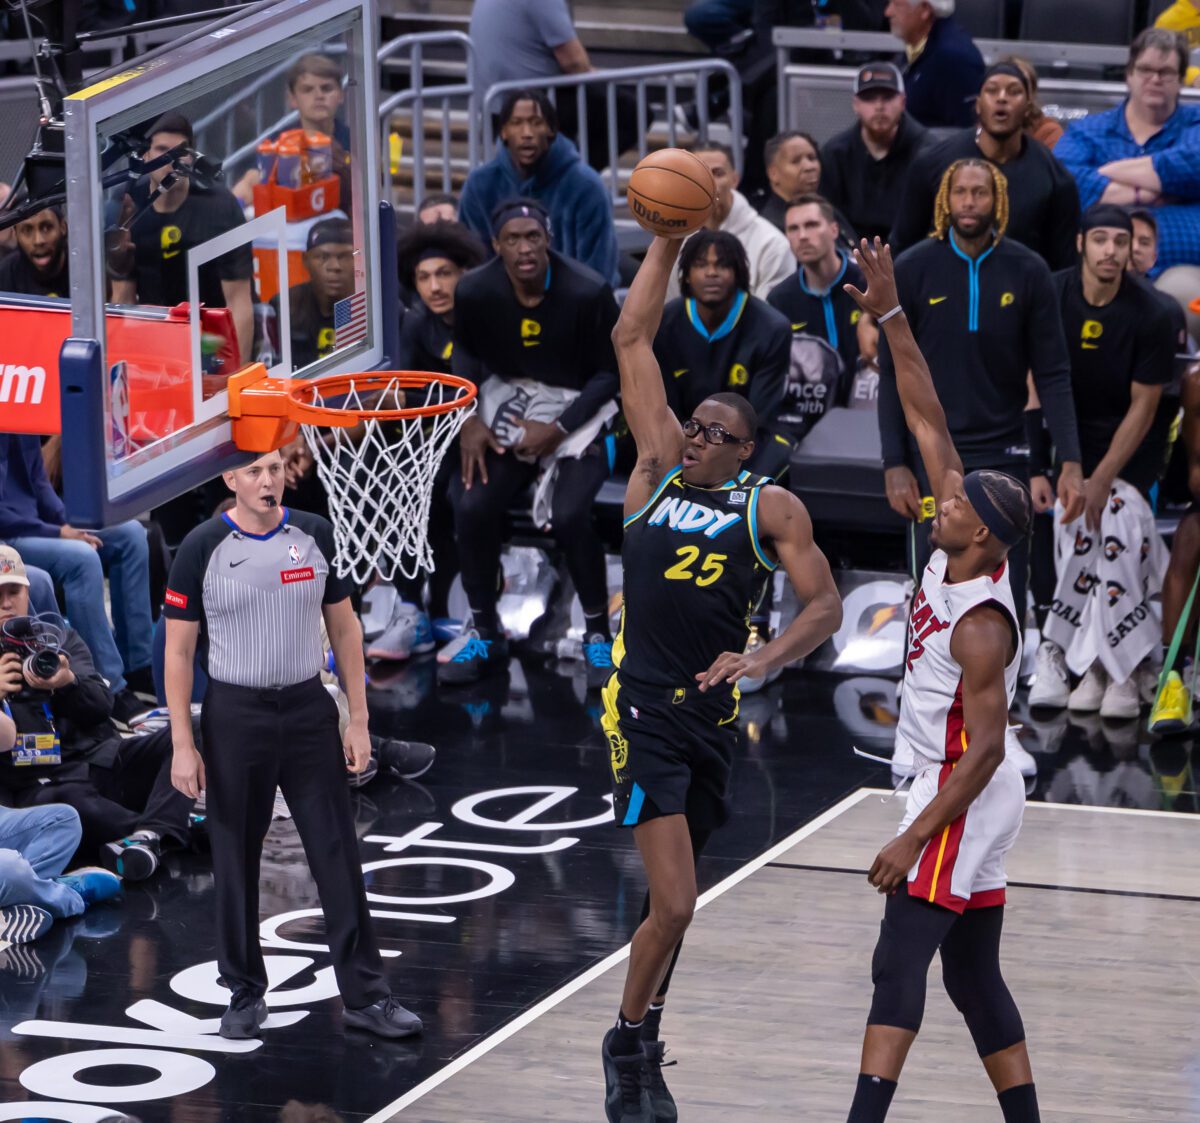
[
  {"x": 878, "y": 76},
  {"x": 12, "y": 568}
]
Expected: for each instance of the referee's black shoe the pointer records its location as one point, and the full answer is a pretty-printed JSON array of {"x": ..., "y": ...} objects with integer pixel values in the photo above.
[
  {"x": 387, "y": 1018},
  {"x": 661, "y": 1099},
  {"x": 474, "y": 656},
  {"x": 626, "y": 1097},
  {"x": 244, "y": 1018}
]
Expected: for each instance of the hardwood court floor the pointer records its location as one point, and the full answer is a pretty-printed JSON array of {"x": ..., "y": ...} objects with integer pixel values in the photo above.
[{"x": 774, "y": 985}]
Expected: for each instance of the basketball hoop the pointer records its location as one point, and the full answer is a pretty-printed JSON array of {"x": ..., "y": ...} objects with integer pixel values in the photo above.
[{"x": 377, "y": 440}]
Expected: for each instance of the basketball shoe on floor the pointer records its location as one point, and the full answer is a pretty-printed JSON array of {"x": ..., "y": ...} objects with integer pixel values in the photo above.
[
  {"x": 626, "y": 1097},
  {"x": 1051, "y": 685},
  {"x": 1122, "y": 700},
  {"x": 386, "y": 1018},
  {"x": 22, "y": 924},
  {"x": 1018, "y": 754},
  {"x": 92, "y": 883},
  {"x": 409, "y": 633},
  {"x": 405, "y": 760},
  {"x": 470, "y": 657},
  {"x": 134, "y": 858},
  {"x": 1089, "y": 694},
  {"x": 245, "y": 1015},
  {"x": 597, "y": 658},
  {"x": 1172, "y": 712},
  {"x": 662, "y": 1103}
]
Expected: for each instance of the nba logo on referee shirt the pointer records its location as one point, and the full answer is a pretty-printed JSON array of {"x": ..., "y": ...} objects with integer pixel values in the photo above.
[{"x": 294, "y": 553}]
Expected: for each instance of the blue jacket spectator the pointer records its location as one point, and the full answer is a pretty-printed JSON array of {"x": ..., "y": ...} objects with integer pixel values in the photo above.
[
  {"x": 535, "y": 161},
  {"x": 1146, "y": 151},
  {"x": 34, "y": 522},
  {"x": 943, "y": 67}
]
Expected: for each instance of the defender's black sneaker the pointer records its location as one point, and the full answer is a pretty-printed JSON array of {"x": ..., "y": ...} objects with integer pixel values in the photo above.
[
  {"x": 387, "y": 1018},
  {"x": 661, "y": 1100},
  {"x": 244, "y": 1018},
  {"x": 626, "y": 1099}
]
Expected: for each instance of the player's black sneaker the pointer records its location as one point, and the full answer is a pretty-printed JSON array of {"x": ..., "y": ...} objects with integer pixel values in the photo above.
[
  {"x": 626, "y": 1099},
  {"x": 134, "y": 858},
  {"x": 471, "y": 657},
  {"x": 387, "y": 1018},
  {"x": 661, "y": 1100},
  {"x": 244, "y": 1018},
  {"x": 405, "y": 760}
]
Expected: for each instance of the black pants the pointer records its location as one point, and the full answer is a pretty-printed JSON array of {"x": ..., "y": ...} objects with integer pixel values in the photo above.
[
  {"x": 481, "y": 513},
  {"x": 920, "y": 549},
  {"x": 255, "y": 740},
  {"x": 134, "y": 794}
]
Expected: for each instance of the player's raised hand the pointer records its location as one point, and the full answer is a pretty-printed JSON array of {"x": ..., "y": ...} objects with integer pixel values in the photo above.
[{"x": 875, "y": 261}]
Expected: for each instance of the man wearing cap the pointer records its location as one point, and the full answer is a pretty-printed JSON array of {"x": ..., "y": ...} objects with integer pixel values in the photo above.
[
  {"x": 165, "y": 222},
  {"x": 1121, "y": 344},
  {"x": 250, "y": 588},
  {"x": 863, "y": 168},
  {"x": 1042, "y": 198},
  {"x": 329, "y": 259},
  {"x": 942, "y": 66},
  {"x": 540, "y": 325},
  {"x": 39, "y": 267}
]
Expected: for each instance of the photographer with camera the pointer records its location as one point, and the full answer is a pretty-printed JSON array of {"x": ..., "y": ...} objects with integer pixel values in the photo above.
[{"x": 67, "y": 748}]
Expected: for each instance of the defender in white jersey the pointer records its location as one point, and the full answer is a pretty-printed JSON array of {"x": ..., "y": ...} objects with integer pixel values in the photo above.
[{"x": 943, "y": 873}]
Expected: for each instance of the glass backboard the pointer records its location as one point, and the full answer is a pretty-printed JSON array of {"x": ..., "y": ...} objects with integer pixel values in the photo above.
[{"x": 223, "y": 197}]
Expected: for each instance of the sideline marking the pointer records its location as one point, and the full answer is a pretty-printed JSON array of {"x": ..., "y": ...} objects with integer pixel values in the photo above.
[{"x": 564, "y": 992}]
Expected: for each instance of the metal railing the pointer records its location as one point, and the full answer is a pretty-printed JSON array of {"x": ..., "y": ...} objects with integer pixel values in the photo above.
[
  {"x": 694, "y": 76},
  {"x": 414, "y": 99},
  {"x": 1056, "y": 56}
]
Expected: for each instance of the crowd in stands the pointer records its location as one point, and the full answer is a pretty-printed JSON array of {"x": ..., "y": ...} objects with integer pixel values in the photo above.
[{"x": 1048, "y": 275}]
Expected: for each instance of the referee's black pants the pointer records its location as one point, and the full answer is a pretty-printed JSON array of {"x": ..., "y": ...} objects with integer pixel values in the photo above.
[{"x": 254, "y": 740}]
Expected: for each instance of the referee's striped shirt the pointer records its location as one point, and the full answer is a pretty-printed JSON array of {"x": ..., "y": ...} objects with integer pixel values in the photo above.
[{"x": 257, "y": 597}]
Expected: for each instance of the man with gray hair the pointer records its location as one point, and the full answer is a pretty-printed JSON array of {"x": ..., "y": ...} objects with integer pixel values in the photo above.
[{"x": 943, "y": 67}]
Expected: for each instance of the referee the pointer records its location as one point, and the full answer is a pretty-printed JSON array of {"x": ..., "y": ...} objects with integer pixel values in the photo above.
[{"x": 251, "y": 586}]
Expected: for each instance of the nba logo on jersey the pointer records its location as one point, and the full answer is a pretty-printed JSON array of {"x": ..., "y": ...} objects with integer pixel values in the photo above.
[
  {"x": 737, "y": 497},
  {"x": 294, "y": 553}
]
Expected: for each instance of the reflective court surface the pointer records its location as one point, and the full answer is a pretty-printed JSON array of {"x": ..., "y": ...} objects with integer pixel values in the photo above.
[{"x": 495, "y": 880}]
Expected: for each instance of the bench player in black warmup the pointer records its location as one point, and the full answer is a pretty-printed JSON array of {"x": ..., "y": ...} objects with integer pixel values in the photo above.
[
  {"x": 700, "y": 531},
  {"x": 943, "y": 873}
]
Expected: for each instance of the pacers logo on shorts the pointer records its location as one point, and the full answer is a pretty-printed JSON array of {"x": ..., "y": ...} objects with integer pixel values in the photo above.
[
  {"x": 618, "y": 751},
  {"x": 679, "y": 696}
]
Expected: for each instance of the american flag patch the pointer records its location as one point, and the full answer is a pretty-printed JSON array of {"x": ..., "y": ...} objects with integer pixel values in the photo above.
[{"x": 350, "y": 320}]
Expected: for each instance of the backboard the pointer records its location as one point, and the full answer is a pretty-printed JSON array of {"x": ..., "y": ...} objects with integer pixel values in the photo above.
[{"x": 224, "y": 207}]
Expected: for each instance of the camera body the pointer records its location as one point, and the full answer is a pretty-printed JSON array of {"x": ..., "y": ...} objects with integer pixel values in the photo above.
[{"x": 35, "y": 644}]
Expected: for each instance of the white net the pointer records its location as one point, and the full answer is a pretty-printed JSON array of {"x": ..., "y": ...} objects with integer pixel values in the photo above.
[{"x": 379, "y": 476}]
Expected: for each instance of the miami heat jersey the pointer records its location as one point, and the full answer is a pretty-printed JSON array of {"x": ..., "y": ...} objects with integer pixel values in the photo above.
[
  {"x": 931, "y": 708},
  {"x": 693, "y": 566}
]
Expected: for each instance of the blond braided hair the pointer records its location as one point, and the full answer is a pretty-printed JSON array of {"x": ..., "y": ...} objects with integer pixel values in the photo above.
[{"x": 941, "y": 205}]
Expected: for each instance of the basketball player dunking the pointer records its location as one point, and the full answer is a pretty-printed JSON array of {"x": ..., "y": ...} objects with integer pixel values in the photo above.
[
  {"x": 944, "y": 872},
  {"x": 700, "y": 532}
]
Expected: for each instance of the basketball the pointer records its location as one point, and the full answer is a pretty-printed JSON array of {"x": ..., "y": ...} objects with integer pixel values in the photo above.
[{"x": 670, "y": 193}]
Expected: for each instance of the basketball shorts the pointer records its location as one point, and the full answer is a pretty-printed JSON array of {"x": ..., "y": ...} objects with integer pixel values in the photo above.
[
  {"x": 670, "y": 752},
  {"x": 962, "y": 867}
]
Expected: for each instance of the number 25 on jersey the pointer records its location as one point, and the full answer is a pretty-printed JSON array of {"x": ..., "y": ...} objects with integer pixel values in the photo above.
[{"x": 710, "y": 569}]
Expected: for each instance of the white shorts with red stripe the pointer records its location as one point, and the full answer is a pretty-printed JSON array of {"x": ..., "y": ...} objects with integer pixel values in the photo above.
[{"x": 962, "y": 867}]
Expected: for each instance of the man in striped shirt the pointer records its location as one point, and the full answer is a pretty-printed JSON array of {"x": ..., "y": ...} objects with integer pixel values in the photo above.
[{"x": 251, "y": 587}]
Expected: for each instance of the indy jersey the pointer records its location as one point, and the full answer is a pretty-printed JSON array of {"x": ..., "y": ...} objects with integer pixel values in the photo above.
[
  {"x": 693, "y": 566},
  {"x": 931, "y": 707}
]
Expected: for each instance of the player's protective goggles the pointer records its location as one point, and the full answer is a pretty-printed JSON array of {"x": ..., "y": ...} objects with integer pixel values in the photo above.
[{"x": 713, "y": 434}]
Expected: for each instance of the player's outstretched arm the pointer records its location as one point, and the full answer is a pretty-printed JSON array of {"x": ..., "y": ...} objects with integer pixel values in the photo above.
[
  {"x": 982, "y": 645},
  {"x": 785, "y": 524},
  {"x": 922, "y": 411},
  {"x": 655, "y": 428}
]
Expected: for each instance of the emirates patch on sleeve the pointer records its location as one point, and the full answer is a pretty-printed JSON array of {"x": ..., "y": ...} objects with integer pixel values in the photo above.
[{"x": 176, "y": 599}]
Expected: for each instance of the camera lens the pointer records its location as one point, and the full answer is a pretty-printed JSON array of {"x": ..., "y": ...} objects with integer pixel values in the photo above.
[{"x": 42, "y": 664}]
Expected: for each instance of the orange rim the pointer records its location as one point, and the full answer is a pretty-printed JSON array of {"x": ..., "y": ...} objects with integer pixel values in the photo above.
[{"x": 331, "y": 385}]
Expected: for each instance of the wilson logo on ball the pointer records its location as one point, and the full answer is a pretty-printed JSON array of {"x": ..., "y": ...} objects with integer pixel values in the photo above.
[{"x": 653, "y": 215}]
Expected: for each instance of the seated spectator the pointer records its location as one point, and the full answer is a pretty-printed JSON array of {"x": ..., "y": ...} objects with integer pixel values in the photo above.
[
  {"x": 1146, "y": 151},
  {"x": 793, "y": 163},
  {"x": 1109, "y": 560},
  {"x": 329, "y": 259},
  {"x": 1042, "y": 128},
  {"x": 536, "y": 161},
  {"x": 540, "y": 325},
  {"x": 943, "y": 67},
  {"x": 1043, "y": 202},
  {"x": 817, "y": 306},
  {"x": 863, "y": 167},
  {"x": 718, "y": 24},
  {"x": 718, "y": 338},
  {"x": 433, "y": 258},
  {"x": 438, "y": 207},
  {"x": 766, "y": 248},
  {"x": 34, "y": 522},
  {"x": 166, "y": 224},
  {"x": 1173, "y": 705},
  {"x": 72, "y": 753},
  {"x": 1143, "y": 255},
  {"x": 36, "y": 845},
  {"x": 39, "y": 267}
]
